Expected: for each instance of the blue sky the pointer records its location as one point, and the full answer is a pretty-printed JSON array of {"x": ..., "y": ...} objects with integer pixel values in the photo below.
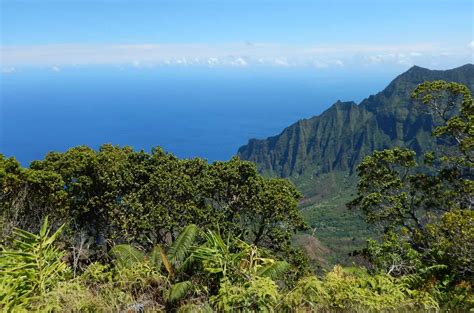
[{"x": 322, "y": 34}]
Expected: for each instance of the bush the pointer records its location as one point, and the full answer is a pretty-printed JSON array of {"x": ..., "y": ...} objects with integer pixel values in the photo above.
[
  {"x": 259, "y": 294},
  {"x": 103, "y": 288},
  {"x": 30, "y": 269},
  {"x": 355, "y": 289}
]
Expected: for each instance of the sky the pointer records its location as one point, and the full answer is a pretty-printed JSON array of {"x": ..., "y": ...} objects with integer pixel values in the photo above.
[{"x": 321, "y": 34}]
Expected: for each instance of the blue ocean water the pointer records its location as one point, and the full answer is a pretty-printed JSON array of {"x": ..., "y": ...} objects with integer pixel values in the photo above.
[{"x": 190, "y": 112}]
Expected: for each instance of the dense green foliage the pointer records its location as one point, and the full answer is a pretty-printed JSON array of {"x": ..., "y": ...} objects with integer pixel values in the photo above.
[
  {"x": 320, "y": 154},
  {"x": 221, "y": 275},
  {"x": 118, "y": 195},
  {"x": 30, "y": 269},
  {"x": 354, "y": 289},
  {"x": 426, "y": 210}
]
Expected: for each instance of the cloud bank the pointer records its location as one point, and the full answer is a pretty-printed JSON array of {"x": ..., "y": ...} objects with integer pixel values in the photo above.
[{"x": 234, "y": 55}]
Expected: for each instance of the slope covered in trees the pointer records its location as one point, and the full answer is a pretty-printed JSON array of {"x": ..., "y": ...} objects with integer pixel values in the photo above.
[
  {"x": 320, "y": 154},
  {"x": 340, "y": 137}
]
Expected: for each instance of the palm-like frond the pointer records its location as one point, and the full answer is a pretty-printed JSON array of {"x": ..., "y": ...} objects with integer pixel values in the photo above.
[
  {"x": 179, "y": 290},
  {"x": 215, "y": 255},
  {"x": 126, "y": 255},
  {"x": 273, "y": 270},
  {"x": 181, "y": 247},
  {"x": 186, "y": 264}
]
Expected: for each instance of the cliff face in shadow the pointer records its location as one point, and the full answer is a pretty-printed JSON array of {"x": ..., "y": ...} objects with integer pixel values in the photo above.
[{"x": 340, "y": 137}]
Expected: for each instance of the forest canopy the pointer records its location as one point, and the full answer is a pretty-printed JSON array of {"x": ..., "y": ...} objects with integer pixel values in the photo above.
[{"x": 120, "y": 195}]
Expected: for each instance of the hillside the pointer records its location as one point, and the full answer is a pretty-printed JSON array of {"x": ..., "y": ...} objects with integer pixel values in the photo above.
[
  {"x": 320, "y": 154},
  {"x": 339, "y": 137}
]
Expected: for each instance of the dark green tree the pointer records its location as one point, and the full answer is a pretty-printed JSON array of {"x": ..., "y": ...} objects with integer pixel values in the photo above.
[
  {"x": 425, "y": 209},
  {"x": 26, "y": 196},
  {"x": 118, "y": 195}
]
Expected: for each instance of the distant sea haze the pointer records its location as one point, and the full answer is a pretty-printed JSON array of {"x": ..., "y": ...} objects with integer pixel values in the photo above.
[{"x": 189, "y": 112}]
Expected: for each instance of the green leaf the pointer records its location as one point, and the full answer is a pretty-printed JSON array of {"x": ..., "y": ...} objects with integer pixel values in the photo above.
[
  {"x": 181, "y": 246},
  {"x": 179, "y": 290},
  {"x": 126, "y": 255},
  {"x": 274, "y": 270}
]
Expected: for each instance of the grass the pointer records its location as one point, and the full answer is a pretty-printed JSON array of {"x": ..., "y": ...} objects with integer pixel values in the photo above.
[{"x": 339, "y": 230}]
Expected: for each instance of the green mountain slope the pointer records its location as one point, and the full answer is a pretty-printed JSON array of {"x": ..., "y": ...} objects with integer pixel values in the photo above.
[
  {"x": 339, "y": 137},
  {"x": 320, "y": 154}
]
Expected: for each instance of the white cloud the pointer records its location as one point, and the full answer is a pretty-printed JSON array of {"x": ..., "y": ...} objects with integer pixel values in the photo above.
[
  {"x": 234, "y": 54},
  {"x": 56, "y": 69},
  {"x": 238, "y": 62},
  {"x": 181, "y": 61},
  {"x": 212, "y": 61},
  {"x": 281, "y": 62},
  {"x": 376, "y": 58},
  {"x": 404, "y": 59},
  {"x": 471, "y": 44}
]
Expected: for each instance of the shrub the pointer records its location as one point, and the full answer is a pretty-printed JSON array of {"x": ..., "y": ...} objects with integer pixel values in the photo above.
[
  {"x": 103, "y": 288},
  {"x": 259, "y": 294},
  {"x": 30, "y": 269},
  {"x": 355, "y": 289}
]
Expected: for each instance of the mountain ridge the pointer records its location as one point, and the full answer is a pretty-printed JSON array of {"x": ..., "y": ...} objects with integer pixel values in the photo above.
[
  {"x": 320, "y": 154},
  {"x": 338, "y": 138}
]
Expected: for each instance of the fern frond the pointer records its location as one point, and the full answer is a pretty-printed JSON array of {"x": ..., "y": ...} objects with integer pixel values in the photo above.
[
  {"x": 181, "y": 247},
  {"x": 126, "y": 255},
  {"x": 274, "y": 270},
  {"x": 179, "y": 290}
]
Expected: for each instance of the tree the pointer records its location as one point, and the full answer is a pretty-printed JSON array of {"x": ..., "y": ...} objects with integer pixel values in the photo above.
[
  {"x": 425, "y": 210},
  {"x": 27, "y": 196},
  {"x": 261, "y": 210},
  {"x": 118, "y": 195}
]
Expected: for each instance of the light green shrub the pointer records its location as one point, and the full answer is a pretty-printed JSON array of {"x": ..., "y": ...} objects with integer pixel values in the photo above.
[
  {"x": 103, "y": 288},
  {"x": 260, "y": 294},
  {"x": 355, "y": 289},
  {"x": 30, "y": 269}
]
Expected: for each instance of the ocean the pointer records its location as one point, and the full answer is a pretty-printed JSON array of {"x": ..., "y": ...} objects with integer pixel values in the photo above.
[{"x": 190, "y": 112}]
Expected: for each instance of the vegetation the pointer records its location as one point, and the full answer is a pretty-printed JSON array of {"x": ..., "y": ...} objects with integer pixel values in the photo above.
[
  {"x": 117, "y": 195},
  {"x": 426, "y": 211},
  {"x": 148, "y": 232},
  {"x": 220, "y": 276},
  {"x": 31, "y": 269},
  {"x": 320, "y": 154}
]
